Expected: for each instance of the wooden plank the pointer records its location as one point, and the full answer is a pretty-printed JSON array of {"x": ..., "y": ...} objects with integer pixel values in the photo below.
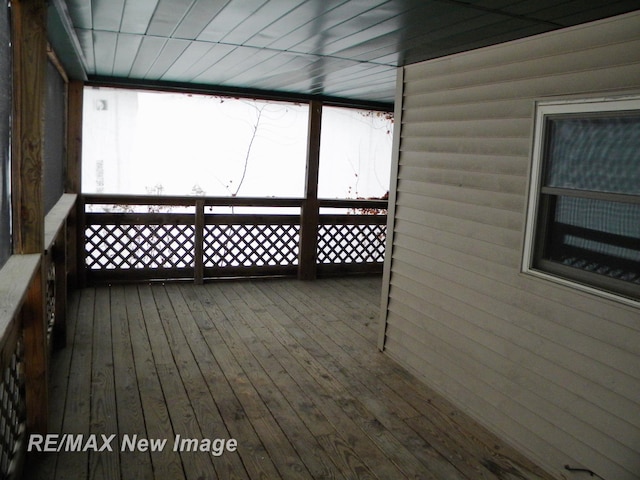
[
  {"x": 302, "y": 389},
  {"x": 291, "y": 408},
  {"x": 77, "y": 408},
  {"x": 362, "y": 406},
  {"x": 239, "y": 368},
  {"x": 326, "y": 384},
  {"x": 103, "y": 465},
  {"x": 223, "y": 375},
  {"x": 187, "y": 200},
  {"x": 195, "y": 391},
  {"x": 130, "y": 416},
  {"x": 157, "y": 312},
  {"x": 203, "y": 390},
  {"x": 156, "y": 415}
]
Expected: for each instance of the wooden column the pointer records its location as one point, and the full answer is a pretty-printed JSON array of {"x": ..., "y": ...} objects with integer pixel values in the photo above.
[
  {"x": 198, "y": 254},
  {"x": 310, "y": 209},
  {"x": 73, "y": 180},
  {"x": 29, "y": 45}
]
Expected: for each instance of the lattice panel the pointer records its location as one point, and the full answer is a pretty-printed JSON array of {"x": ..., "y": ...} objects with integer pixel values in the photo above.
[
  {"x": 139, "y": 246},
  {"x": 250, "y": 245},
  {"x": 12, "y": 412},
  {"x": 351, "y": 243}
]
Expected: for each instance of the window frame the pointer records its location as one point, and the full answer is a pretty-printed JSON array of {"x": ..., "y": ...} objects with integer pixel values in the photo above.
[{"x": 540, "y": 210}]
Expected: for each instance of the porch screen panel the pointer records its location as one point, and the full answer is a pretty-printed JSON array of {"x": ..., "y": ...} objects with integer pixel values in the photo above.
[
  {"x": 5, "y": 119},
  {"x": 54, "y": 146}
]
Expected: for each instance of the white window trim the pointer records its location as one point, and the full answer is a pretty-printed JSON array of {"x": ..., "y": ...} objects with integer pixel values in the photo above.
[{"x": 543, "y": 109}]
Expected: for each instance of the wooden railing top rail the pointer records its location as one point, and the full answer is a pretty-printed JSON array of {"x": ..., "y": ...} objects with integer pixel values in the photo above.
[
  {"x": 352, "y": 203},
  {"x": 54, "y": 220},
  {"x": 189, "y": 200},
  {"x": 15, "y": 278}
]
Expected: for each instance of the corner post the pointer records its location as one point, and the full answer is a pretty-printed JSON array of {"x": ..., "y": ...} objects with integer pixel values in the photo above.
[
  {"x": 198, "y": 254},
  {"x": 29, "y": 40},
  {"x": 310, "y": 215},
  {"x": 74, "y": 176}
]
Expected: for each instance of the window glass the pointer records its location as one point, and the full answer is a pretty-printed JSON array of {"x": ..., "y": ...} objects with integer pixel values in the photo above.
[{"x": 599, "y": 154}]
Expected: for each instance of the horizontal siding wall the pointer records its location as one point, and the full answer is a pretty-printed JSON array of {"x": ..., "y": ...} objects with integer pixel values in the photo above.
[{"x": 554, "y": 371}]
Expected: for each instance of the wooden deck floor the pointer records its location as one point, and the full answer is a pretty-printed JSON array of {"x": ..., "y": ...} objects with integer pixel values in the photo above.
[{"x": 288, "y": 369}]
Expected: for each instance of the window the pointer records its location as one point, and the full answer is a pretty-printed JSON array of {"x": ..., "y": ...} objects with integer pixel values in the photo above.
[{"x": 583, "y": 225}]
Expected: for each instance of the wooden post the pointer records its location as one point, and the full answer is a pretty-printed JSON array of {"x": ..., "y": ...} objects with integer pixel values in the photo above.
[
  {"x": 29, "y": 45},
  {"x": 310, "y": 209},
  {"x": 198, "y": 254},
  {"x": 81, "y": 253},
  {"x": 73, "y": 178},
  {"x": 59, "y": 257}
]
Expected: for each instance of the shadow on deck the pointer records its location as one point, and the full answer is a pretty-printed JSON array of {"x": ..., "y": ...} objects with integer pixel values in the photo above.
[{"x": 287, "y": 369}]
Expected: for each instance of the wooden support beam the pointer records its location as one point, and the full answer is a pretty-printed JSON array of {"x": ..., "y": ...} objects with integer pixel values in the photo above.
[
  {"x": 75, "y": 91},
  {"x": 29, "y": 85},
  {"x": 36, "y": 355},
  {"x": 73, "y": 178},
  {"x": 29, "y": 44},
  {"x": 198, "y": 259},
  {"x": 310, "y": 214}
]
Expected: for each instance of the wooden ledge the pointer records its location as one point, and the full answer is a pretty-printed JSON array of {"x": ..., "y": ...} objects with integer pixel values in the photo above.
[
  {"x": 54, "y": 220},
  {"x": 15, "y": 278}
]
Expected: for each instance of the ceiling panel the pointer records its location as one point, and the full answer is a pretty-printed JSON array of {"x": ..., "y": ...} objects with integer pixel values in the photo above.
[
  {"x": 338, "y": 48},
  {"x": 126, "y": 50},
  {"x": 107, "y": 16},
  {"x": 166, "y": 17},
  {"x": 288, "y": 25},
  {"x": 268, "y": 13},
  {"x": 229, "y": 19},
  {"x": 171, "y": 52},
  {"x": 137, "y": 15},
  {"x": 104, "y": 46}
]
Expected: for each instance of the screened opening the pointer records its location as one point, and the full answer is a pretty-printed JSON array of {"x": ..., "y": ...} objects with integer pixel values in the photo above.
[
  {"x": 355, "y": 153},
  {"x": 162, "y": 143},
  {"x": 588, "y": 195}
]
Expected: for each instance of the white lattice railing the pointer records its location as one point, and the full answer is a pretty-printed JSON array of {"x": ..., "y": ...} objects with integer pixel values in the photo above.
[{"x": 132, "y": 238}]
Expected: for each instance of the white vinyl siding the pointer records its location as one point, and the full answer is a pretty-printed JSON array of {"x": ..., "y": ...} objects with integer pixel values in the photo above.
[{"x": 553, "y": 370}]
